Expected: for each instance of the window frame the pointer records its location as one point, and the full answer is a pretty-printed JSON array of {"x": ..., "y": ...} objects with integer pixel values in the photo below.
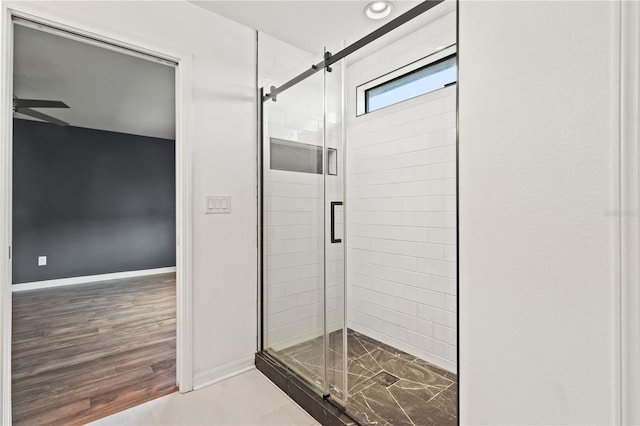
[{"x": 361, "y": 90}]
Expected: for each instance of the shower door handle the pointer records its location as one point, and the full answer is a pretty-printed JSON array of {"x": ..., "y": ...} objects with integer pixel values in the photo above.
[{"x": 333, "y": 222}]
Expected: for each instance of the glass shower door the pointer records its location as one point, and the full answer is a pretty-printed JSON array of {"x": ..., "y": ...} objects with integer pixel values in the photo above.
[
  {"x": 335, "y": 243},
  {"x": 303, "y": 231},
  {"x": 294, "y": 229}
]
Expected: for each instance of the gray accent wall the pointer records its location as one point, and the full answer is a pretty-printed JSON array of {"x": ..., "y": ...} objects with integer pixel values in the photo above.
[{"x": 92, "y": 201}]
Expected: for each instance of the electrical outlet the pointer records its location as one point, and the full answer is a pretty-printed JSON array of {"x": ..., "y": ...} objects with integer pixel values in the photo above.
[{"x": 42, "y": 260}]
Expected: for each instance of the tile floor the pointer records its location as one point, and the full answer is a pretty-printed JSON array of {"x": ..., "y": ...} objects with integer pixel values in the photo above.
[
  {"x": 246, "y": 399},
  {"x": 386, "y": 386}
]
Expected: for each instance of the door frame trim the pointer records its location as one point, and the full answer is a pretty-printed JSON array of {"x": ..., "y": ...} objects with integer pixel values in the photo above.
[
  {"x": 628, "y": 215},
  {"x": 184, "y": 185}
]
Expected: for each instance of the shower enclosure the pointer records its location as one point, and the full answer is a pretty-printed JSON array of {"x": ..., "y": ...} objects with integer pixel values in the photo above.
[{"x": 357, "y": 214}]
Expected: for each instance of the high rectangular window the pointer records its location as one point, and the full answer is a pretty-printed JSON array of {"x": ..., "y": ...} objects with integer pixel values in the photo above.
[
  {"x": 415, "y": 79},
  {"x": 423, "y": 80}
]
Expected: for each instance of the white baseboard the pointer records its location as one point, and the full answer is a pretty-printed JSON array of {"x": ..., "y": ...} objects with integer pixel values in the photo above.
[
  {"x": 224, "y": 372},
  {"x": 36, "y": 285}
]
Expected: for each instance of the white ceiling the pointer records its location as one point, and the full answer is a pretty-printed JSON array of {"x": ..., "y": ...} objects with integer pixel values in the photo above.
[
  {"x": 105, "y": 89},
  {"x": 308, "y": 24}
]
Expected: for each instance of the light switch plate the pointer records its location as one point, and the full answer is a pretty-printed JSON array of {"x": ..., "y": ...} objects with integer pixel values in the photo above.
[
  {"x": 217, "y": 204},
  {"x": 42, "y": 260}
]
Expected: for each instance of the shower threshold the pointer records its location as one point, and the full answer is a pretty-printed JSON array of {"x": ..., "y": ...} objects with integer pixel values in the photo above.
[{"x": 386, "y": 385}]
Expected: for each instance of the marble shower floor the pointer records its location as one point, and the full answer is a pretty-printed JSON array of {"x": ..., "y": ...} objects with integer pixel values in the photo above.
[{"x": 386, "y": 386}]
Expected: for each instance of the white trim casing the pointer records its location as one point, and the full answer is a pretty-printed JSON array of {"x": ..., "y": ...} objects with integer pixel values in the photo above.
[
  {"x": 629, "y": 299},
  {"x": 615, "y": 206},
  {"x": 6, "y": 126},
  {"x": 184, "y": 185},
  {"x": 184, "y": 225},
  {"x": 89, "y": 279}
]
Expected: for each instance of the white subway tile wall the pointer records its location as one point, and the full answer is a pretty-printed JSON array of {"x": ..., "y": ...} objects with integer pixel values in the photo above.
[{"x": 401, "y": 207}]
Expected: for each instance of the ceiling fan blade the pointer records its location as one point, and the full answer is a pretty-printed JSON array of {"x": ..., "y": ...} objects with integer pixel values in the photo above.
[
  {"x": 41, "y": 116},
  {"x": 38, "y": 103}
]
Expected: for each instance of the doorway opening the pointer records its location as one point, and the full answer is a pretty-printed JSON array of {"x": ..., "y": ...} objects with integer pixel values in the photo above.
[{"x": 94, "y": 227}]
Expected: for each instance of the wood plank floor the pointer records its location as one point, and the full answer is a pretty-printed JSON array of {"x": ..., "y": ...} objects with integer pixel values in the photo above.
[{"x": 90, "y": 350}]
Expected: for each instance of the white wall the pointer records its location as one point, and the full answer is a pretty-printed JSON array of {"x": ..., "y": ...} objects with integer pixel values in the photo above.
[
  {"x": 224, "y": 161},
  {"x": 536, "y": 160},
  {"x": 401, "y": 191},
  {"x": 294, "y": 204}
]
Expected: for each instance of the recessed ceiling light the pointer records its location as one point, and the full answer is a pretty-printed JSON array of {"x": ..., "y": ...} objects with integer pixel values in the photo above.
[{"x": 378, "y": 9}]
